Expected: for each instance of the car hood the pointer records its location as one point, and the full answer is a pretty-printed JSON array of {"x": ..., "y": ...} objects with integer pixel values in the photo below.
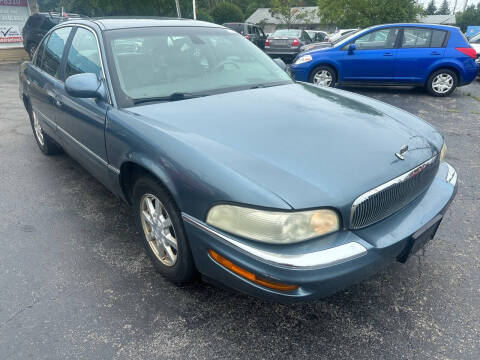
[{"x": 310, "y": 146}]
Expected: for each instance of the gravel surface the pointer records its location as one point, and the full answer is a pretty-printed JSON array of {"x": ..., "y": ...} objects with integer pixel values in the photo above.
[{"x": 75, "y": 282}]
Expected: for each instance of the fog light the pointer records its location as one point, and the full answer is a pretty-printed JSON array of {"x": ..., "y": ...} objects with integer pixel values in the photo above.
[{"x": 248, "y": 275}]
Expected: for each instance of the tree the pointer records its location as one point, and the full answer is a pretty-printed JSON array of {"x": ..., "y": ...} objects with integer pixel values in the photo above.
[
  {"x": 227, "y": 12},
  {"x": 363, "y": 13},
  {"x": 431, "y": 8},
  {"x": 471, "y": 16},
  {"x": 287, "y": 13},
  {"x": 444, "y": 9},
  {"x": 203, "y": 15}
]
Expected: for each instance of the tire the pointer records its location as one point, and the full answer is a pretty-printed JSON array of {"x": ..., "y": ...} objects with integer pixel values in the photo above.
[
  {"x": 157, "y": 238},
  {"x": 46, "y": 144},
  {"x": 438, "y": 87},
  {"x": 327, "y": 73},
  {"x": 31, "y": 48}
]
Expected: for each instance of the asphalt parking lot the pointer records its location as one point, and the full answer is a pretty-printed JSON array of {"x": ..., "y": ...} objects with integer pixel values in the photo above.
[{"x": 75, "y": 283}]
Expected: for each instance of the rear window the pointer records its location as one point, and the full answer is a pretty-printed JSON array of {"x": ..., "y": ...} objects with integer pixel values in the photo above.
[
  {"x": 423, "y": 38},
  {"x": 237, "y": 27},
  {"x": 287, "y": 32}
]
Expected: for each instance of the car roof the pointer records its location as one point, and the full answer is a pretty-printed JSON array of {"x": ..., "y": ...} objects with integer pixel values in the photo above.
[
  {"x": 433, "y": 26},
  {"x": 112, "y": 23}
]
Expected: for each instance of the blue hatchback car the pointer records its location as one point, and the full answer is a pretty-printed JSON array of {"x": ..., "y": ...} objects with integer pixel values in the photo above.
[
  {"x": 232, "y": 169},
  {"x": 434, "y": 56}
]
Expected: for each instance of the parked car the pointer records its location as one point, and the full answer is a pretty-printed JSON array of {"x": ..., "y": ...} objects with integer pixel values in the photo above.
[
  {"x": 324, "y": 44},
  {"x": 437, "y": 57},
  {"x": 338, "y": 34},
  {"x": 38, "y": 25},
  {"x": 251, "y": 32},
  {"x": 286, "y": 43},
  {"x": 316, "y": 35},
  {"x": 475, "y": 44},
  {"x": 233, "y": 169}
]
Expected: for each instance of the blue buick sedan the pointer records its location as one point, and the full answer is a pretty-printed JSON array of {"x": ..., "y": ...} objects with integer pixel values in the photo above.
[{"x": 281, "y": 190}]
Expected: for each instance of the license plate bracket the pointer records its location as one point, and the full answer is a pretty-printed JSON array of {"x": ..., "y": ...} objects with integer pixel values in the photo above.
[{"x": 422, "y": 236}]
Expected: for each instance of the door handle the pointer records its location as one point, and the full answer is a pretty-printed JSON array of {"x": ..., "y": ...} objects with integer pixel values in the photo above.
[
  {"x": 434, "y": 53},
  {"x": 387, "y": 54}
]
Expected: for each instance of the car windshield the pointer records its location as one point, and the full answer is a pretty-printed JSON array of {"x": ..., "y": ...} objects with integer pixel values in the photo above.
[
  {"x": 475, "y": 39},
  {"x": 345, "y": 37},
  {"x": 287, "y": 32},
  {"x": 158, "y": 62}
]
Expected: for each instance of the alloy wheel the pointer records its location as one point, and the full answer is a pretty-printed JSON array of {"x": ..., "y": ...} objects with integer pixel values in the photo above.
[
  {"x": 323, "y": 78},
  {"x": 158, "y": 229},
  {"x": 442, "y": 83},
  {"x": 38, "y": 130}
]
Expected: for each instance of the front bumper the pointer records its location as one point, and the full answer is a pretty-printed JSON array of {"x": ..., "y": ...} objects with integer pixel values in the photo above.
[{"x": 322, "y": 266}]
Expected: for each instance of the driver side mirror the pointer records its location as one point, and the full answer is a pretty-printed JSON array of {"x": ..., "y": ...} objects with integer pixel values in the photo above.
[
  {"x": 86, "y": 85},
  {"x": 351, "y": 48},
  {"x": 280, "y": 63}
]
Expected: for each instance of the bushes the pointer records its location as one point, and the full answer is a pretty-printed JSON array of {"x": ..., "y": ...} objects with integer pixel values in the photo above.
[{"x": 227, "y": 12}]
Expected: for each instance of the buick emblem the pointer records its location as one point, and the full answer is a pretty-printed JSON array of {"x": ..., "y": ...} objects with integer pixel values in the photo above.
[{"x": 402, "y": 151}]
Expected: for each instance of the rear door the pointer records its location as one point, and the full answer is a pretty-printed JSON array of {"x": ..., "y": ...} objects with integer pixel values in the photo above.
[
  {"x": 419, "y": 49},
  {"x": 81, "y": 122},
  {"x": 374, "y": 57},
  {"x": 45, "y": 77}
]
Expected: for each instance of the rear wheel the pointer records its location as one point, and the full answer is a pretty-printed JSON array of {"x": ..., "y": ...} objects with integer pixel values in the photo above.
[
  {"x": 324, "y": 76},
  {"x": 442, "y": 82},
  {"x": 46, "y": 144},
  {"x": 161, "y": 228}
]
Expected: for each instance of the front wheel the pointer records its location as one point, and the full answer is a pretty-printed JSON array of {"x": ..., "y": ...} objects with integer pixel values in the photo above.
[
  {"x": 442, "y": 82},
  {"x": 161, "y": 227},
  {"x": 323, "y": 75},
  {"x": 46, "y": 144}
]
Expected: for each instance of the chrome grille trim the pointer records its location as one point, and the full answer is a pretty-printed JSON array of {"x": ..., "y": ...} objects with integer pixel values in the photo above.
[{"x": 388, "y": 198}]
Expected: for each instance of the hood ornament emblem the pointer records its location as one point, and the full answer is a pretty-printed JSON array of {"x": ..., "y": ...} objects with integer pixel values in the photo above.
[{"x": 402, "y": 151}]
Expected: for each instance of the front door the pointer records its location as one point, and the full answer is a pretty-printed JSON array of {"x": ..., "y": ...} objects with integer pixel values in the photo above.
[
  {"x": 82, "y": 121},
  {"x": 373, "y": 59}
]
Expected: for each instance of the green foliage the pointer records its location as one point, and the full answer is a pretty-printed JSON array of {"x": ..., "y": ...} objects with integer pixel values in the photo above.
[
  {"x": 444, "y": 9},
  {"x": 227, "y": 12},
  {"x": 471, "y": 16},
  {"x": 204, "y": 15},
  {"x": 364, "y": 13},
  {"x": 431, "y": 8}
]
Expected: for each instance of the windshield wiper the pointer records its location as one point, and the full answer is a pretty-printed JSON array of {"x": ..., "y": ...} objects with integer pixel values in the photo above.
[
  {"x": 176, "y": 96},
  {"x": 260, "y": 86}
]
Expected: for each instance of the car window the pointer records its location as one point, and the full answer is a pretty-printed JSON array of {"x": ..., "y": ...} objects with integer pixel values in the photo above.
[
  {"x": 475, "y": 39},
  {"x": 378, "y": 39},
  {"x": 182, "y": 59},
  {"x": 438, "y": 38},
  {"x": 416, "y": 37},
  {"x": 287, "y": 32},
  {"x": 306, "y": 36},
  {"x": 54, "y": 50},
  {"x": 39, "y": 55},
  {"x": 83, "y": 55}
]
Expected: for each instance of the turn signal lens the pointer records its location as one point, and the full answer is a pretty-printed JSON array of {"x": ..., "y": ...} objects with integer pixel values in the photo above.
[
  {"x": 443, "y": 152},
  {"x": 248, "y": 275}
]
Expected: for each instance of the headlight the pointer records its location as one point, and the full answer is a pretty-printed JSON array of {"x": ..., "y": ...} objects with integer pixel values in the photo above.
[
  {"x": 303, "y": 59},
  {"x": 273, "y": 226},
  {"x": 443, "y": 152}
]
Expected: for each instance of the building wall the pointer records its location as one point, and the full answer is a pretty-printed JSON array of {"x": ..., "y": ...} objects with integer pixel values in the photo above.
[{"x": 13, "y": 15}]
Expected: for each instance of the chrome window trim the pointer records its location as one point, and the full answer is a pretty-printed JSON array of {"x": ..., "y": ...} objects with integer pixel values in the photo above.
[
  {"x": 392, "y": 182},
  {"x": 95, "y": 156},
  {"x": 314, "y": 260}
]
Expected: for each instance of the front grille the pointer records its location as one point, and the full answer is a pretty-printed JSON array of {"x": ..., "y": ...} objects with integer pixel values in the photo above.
[{"x": 386, "y": 199}]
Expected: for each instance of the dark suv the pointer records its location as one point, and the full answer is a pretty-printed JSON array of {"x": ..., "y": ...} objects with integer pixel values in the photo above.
[
  {"x": 38, "y": 25},
  {"x": 251, "y": 32}
]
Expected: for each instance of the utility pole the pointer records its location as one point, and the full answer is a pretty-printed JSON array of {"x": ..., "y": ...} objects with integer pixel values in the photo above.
[
  {"x": 194, "y": 10},
  {"x": 179, "y": 13}
]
